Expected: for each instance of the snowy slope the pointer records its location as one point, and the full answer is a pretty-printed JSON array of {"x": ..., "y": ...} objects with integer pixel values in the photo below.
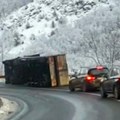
[
  {"x": 7, "y": 6},
  {"x": 53, "y": 27}
]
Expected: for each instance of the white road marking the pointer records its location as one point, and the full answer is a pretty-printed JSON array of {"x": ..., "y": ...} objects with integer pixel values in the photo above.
[
  {"x": 55, "y": 89},
  {"x": 118, "y": 100},
  {"x": 95, "y": 94}
]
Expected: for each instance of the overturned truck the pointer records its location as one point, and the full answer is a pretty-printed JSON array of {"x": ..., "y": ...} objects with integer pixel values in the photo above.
[{"x": 47, "y": 71}]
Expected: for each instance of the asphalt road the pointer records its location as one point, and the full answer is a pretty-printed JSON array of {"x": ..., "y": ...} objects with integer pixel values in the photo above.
[{"x": 59, "y": 104}]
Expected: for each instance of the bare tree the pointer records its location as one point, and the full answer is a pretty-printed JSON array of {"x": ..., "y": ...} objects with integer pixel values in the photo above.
[
  {"x": 111, "y": 48},
  {"x": 2, "y": 18},
  {"x": 105, "y": 46}
]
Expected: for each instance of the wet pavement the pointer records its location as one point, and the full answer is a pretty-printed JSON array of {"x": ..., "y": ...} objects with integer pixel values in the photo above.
[{"x": 60, "y": 104}]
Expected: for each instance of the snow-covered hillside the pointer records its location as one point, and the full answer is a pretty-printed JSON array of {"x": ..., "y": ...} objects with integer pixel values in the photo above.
[
  {"x": 7, "y": 6},
  {"x": 61, "y": 26}
]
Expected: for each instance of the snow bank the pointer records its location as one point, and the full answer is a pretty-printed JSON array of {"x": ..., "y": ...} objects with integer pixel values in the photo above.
[{"x": 8, "y": 108}]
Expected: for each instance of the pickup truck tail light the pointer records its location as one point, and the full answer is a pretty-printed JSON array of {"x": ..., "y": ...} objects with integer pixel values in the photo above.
[{"x": 90, "y": 79}]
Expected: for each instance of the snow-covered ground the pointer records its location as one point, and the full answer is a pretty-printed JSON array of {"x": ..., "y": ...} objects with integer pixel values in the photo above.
[
  {"x": 52, "y": 27},
  {"x": 8, "y": 108}
]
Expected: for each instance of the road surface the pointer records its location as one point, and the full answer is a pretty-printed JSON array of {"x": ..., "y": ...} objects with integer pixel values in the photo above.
[{"x": 60, "y": 104}]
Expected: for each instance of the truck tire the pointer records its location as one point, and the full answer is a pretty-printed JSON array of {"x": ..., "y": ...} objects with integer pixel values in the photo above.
[
  {"x": 72, "y": 89},
  {"x": 116, "y": 92},
  {"x": 7, "y": 81},
  {"x": 102, "y": 92}
]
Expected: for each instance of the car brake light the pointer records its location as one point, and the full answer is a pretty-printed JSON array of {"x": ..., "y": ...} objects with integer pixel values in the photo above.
[
  {"x": 90, "y": 79},
  {"x": 99, "y": 67},
  {"x": 119, "y": 79}
]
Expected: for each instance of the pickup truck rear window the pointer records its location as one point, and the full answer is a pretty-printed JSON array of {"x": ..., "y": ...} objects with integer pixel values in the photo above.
[{"x": 96, "y": 72}]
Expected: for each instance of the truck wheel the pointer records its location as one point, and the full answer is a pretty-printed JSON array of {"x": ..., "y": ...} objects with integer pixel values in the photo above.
[
  {"x": 71, "y": 89},
  {"x": 116, "y": 92},
  {"x": 103, "y": 93},
  {"x": 7, "y": 82}
]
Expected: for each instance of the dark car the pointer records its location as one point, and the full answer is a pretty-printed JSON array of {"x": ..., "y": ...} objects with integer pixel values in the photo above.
[
  {"x": 89, "y": 81},
  {"x": 110, "y": 86}
]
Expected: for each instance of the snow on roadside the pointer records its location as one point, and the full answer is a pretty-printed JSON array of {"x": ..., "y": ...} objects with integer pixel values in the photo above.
[
  {"x": 8, "y": 109},
  {"x": 2, "y": 80}
]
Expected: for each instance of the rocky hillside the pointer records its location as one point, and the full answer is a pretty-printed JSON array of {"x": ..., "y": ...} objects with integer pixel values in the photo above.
[
  {"x": 60, "y": 26},
  {"x": 7, "y": 6}
]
